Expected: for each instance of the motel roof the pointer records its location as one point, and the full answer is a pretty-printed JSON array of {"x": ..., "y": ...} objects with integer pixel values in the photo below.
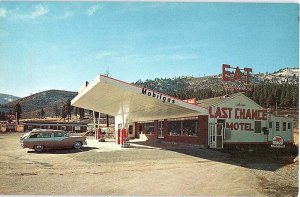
[
  {"x": 115, "y": 97},
  {"x": 205, "y": 103}
]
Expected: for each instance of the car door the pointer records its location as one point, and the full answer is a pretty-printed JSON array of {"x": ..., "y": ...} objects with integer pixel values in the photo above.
[{"x": 59, "y": 139}]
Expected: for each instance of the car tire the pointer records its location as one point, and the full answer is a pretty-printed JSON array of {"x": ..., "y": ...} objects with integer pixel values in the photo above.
[
  {"x": 77, "y": 145},
  {"x": 38, "y": 148}
]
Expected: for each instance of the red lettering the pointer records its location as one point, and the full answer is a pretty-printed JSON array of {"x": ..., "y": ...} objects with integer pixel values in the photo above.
[
  {"x": 248, "y": 114},
  {"x": 236, "y": 114},
  {"x": 210, "y": 112},
  {"x": 238, "y": 74},
  {"x": 236, "y": 126},
  {"x": 224, "y": 112},
  {"x": 254, "y": 114},
  {"x": 229, "y": 110},
  {"x": 218, "y": 113},
  {"x": 248, "y": 127},
  {"x": 229, "y": 125},
  {"x": 225, "y": 73},
  {"x": 264, "y": 115},
  {"x": 242, "y": 113},
  {"x": 242, "y": 126}
]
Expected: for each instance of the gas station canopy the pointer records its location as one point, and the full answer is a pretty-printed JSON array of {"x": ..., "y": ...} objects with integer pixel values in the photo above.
[{"x": 114, "y": 97}]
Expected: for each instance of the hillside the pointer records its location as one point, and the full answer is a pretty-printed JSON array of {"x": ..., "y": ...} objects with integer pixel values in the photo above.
[
  {"x": 6, "y": 98},
  {"x": 215, "y": 83},
  {"x": 268, "y": 89},
  {"x": 32, "y": 105}
]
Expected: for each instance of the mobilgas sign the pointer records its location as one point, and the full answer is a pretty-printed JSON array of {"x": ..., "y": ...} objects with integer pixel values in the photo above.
[
  {"x": 158, "y": 96},
  {"x": 277, "y": 142}
]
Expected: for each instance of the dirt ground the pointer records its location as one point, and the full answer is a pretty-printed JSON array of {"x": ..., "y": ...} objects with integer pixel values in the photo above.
[{"x": 144, "y": 169}]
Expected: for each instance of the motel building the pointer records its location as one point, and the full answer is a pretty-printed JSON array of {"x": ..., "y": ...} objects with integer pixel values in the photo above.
[{"x": 219, "y": 122}]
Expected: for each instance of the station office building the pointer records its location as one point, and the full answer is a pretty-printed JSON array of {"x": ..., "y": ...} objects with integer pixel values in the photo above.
[{"x": 216, "y": 123}]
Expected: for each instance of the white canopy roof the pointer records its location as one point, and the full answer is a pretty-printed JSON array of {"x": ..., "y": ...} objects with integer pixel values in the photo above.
[{"x": 114, "y": 97}]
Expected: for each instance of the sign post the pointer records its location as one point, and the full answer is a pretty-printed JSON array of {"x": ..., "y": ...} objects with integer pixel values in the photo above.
[{"x": 277, "y": 143}]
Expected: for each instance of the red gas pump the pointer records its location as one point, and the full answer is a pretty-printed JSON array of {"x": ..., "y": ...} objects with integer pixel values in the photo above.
[
  {"x": 125, "y": 139},
  {"x": 119, "y": 136},
  {"x": 98, "y": 134},
  {"x": 123, "y": 135}
]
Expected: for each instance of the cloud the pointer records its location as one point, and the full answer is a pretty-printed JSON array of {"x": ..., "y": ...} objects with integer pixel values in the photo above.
[
  {"x": 67, "y": 14},
  {"x": 39, "y": 10},
  {"x": 16, "y": 14},
  {"x": 3, "y": 12},
  {"x": 92, "y": 10}
]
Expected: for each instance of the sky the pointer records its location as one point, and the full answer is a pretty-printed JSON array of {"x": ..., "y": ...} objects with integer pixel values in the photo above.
[{"x": 60, "y": 45}]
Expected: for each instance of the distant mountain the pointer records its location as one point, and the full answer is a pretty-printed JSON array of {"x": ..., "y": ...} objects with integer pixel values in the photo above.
[
  {"x": 180, "y": 87},
  {"x": 282, "y": 76},
  {"x": 215, "y": 83},
  {"x": 32, "y": 105},
  {"x": 5, "y": 98}
]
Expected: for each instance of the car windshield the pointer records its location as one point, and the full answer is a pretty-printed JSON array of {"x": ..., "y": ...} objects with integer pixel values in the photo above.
[{"x": 25, "y": 136}]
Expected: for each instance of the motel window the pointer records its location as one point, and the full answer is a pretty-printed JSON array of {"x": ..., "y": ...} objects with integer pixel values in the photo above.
[
  {"x": 257, "y": 127},
  {"x": 289, "y": 125},
  {"x": 277, "y": 126},
  {"x": 270, "y": 125},
  {"x": 130, "y": 129},
  {"x": 284, "y": 126},
  {"x": 149, "y": 127},
  {"x": 174, "y": 128}
]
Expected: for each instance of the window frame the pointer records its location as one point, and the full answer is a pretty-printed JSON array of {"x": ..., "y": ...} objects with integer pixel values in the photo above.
[
  {"x": 256, "y": 129},
  {"x": 284, "y": 126},
  {"x": 277, "y": 126}
]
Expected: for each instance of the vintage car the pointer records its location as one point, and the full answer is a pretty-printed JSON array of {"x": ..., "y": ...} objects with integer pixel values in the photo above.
[{"x": 51, "y": 139}]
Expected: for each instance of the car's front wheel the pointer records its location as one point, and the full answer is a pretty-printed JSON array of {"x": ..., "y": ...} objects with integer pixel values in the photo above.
[
  {"x": 38, "y": 148},
  {"x": 77, "y": 145}
]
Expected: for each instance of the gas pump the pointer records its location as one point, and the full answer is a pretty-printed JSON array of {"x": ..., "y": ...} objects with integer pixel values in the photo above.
[
  {"x": 98, "y": 134},
  {"x": 125, "y": 139}
]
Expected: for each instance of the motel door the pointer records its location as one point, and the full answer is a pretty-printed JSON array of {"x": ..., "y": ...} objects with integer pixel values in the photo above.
[
  {"x": 160, "y": 129},
  {"x": 216, "y": 135}
]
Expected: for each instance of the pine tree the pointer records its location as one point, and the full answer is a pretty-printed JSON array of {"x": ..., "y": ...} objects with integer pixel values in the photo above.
[
  {"x": 63, "y": 112},
  {"x": 81, "y": 113},
  {"x": 42, "y": 113},
  {"x": 56, "y": 111},
  {"x": 18, "y": 111},
  {"x": 76, "y": 112},
  {"x": 68, "y": 108}
]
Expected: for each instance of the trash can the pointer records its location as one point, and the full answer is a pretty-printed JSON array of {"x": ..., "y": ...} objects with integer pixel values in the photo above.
[{"x": 102, "y": 137}]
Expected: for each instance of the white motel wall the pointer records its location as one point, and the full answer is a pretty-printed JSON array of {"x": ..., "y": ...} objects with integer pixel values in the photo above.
[
  {"x": 245, "y": 121},
  {"x": 215, "y": 123}
]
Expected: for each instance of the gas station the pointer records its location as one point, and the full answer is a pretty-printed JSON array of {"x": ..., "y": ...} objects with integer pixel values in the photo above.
[{"x": 215, "y": 123}]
